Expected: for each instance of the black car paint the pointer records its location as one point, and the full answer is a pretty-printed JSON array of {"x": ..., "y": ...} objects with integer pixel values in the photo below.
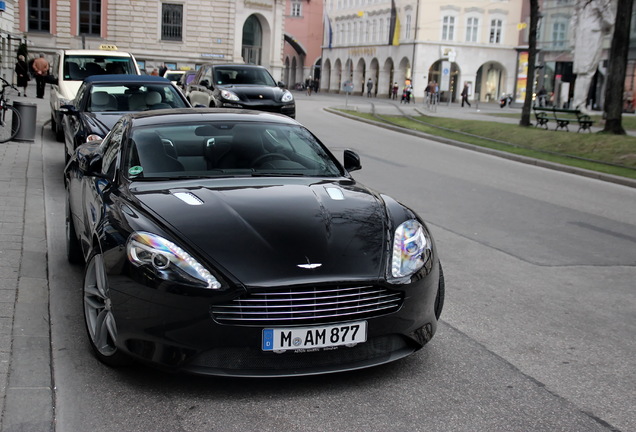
[
  {"x": 251, "y": 245},
  {"x": 79, "y": 122},
  {"x": 256, "y": 97}
]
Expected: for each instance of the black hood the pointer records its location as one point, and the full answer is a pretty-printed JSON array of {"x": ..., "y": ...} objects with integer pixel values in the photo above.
[
  {"x": 261, "y": 233},
  {"x": 256, "y": 93}
]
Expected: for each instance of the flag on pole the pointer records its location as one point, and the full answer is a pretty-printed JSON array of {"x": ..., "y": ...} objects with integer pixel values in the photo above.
[
  {"x": 394, "y": 27},
  {"x": 327, "y": 23}
]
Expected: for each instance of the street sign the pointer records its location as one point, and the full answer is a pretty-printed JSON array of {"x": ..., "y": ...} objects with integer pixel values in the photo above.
[{"x": 444, "y": 84}]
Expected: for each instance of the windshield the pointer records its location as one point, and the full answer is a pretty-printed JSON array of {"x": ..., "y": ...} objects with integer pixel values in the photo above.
[
  {"x": 225, "y": 149},
  {"x": 78, "y": 67},
  {"x": 133, "y": 97},
  {"x": 242, "y": 75}
]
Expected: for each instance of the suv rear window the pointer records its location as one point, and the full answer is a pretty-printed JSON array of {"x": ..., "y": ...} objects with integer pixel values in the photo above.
[{"x": 78, "y": 67}]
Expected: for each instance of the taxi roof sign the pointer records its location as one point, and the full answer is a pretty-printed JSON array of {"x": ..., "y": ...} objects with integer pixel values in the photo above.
[{"x": 107, "y": 47}]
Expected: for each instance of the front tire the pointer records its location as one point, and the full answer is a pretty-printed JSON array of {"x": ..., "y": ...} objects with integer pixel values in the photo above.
[{"x": 98, "y": 315}]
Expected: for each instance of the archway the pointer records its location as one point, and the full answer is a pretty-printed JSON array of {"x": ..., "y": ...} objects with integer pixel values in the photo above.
[
  {"x": 358, "y": 76},
  {"x": 325, "y": 82},
  {"x": 386, "y": 80},
  {"x": 374, "y": 74},
  {"x": 252, "y": 45},
  {"x": 435, "y": 74},
  {"x": 489, "y": 82}
]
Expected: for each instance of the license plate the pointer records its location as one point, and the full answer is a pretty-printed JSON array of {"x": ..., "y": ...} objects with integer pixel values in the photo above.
[{"x": 294, "y": 338}]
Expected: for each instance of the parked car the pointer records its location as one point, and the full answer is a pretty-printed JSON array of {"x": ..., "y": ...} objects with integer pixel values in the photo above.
[
  {"x": 70, "y": 67},
  {"x": 174, "y": 75},
  {"x": 186, "y": 79},
  {"x": 102, "y": 99},
  {"x": 233, "y": 242},
  {"x": 240, "y": 86}
]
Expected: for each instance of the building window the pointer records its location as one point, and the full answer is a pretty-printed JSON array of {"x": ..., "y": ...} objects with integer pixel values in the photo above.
[
  {"x": 39, "y": 15},
  {"x": 495, "y": 31},
  {"x": 448, "y": 28},
  {"x": 559, "y": 30},
  {"x": 171, "y": 22},
  {"x": 296, "y": 9},
  {"x": 472, "y": 27},
  {"x": 407, "y": 34},
  {"x": 90, "y": 17}
]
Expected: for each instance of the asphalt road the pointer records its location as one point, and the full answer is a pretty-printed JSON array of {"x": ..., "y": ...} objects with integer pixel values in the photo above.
[{"x": 537, "y": 333}]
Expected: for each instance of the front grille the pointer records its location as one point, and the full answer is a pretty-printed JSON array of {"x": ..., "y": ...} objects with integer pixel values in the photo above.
[{"x": 308, "y": 305}]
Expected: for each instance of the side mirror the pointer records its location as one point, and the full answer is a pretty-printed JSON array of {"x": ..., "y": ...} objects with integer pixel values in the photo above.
[
  {"x": 88, "y": 160},
  {"x": 351, "y": 160},
  {"x": 205, "y": 83},
  {"x": 68, "y": 109},
  {"x": 281, "y": 84}
]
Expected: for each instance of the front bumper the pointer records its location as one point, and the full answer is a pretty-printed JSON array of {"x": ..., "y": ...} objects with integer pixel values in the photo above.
[{"x": 180, "y": 332}]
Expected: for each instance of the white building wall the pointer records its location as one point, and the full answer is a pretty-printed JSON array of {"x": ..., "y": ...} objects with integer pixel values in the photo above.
[
  {"x": 417, "y": 53},
  {"x": 212, "y": 31}
]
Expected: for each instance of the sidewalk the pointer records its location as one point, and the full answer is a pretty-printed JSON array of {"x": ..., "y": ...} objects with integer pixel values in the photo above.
[{"x": 26, "y": 393}]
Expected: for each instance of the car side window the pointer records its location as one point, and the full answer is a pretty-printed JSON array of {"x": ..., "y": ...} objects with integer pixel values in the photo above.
[{"x": 111, "y": 150}]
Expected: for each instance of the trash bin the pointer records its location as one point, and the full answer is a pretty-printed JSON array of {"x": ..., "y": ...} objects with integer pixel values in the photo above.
[{"x": 28, "y": 114}]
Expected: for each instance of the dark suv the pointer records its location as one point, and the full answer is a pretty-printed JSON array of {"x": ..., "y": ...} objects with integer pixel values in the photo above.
[{"x": 240, "y": 86}]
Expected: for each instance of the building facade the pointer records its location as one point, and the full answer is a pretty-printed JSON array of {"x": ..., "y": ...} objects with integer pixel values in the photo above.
[
  {"x": 303, "y": 41},
  {"x": 407, "y": 41},
  {"x": 181, "y": 34}
]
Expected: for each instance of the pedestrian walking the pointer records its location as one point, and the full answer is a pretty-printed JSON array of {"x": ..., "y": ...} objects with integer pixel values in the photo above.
[
  {"x": 22, "y": 74},
  {"x": 41, "y": 69},
  {"x": 465, "y": 95},
  {"x": 309, "y": 83},
  {"x": 369, "y": 87},
  {"x": 394, "y": 90}
]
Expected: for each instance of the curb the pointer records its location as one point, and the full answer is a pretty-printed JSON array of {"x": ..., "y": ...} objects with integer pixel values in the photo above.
[{"x": 511, "y": 156}]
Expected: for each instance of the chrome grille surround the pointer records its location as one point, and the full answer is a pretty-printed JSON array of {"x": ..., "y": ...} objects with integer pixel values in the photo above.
[{"x": 308, "y": 305}]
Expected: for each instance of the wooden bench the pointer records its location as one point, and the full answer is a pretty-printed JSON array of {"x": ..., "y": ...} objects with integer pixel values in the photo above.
[{"x": 562, "y": 117}]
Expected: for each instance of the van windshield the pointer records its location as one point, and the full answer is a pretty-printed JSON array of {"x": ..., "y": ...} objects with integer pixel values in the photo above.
[{"x": 78, "y": 67}]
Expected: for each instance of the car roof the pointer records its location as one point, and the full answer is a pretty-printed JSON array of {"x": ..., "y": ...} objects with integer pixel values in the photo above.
[
  {"x": 115, "y": 78},
  {"x": 107, "y": 53},
  {"x": 186, "y": 115}
]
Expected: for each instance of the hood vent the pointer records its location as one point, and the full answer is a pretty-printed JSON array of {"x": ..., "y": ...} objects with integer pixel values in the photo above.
[{"x": 188, "y": 198}]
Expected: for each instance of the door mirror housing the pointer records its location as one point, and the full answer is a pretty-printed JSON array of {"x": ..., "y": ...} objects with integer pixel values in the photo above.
[{"x": 351, "y": 160}]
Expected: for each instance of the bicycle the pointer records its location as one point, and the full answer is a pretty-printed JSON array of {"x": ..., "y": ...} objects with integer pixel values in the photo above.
[{"x": 9, "y": 116}]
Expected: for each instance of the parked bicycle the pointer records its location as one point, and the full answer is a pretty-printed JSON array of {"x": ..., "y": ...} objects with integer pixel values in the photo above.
[{"x": 9, "y": 116}]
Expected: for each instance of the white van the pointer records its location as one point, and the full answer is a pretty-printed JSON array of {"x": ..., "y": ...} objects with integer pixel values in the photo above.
[{"x": 69, "y": 69}]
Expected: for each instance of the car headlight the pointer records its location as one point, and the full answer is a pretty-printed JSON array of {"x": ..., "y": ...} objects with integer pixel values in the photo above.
[
  {"x": 228, "y": 95},
  {"x": 411, "y": 249},
  {"x": 287, "y": 96},
  {"x": 168, "y": 260}
]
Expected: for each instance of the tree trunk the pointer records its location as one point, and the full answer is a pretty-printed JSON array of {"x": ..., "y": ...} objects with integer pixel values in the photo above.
[
  {"x": 532, "y": 55},
  {"x": 615, "y": 87}
]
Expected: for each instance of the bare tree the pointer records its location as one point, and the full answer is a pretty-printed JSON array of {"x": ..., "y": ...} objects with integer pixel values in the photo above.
[
  {"x": 613, "y": 108},
  {"x": 532, "y": 55}
]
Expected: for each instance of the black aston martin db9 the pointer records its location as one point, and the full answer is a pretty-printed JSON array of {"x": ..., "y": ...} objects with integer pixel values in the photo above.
[{"x": 233, "y": 242}]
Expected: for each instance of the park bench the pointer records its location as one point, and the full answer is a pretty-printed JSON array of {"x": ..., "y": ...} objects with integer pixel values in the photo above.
[{"x": 562, "y": 117}]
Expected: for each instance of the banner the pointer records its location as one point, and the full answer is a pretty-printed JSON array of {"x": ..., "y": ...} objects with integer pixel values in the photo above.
[{"x": 394, "y": 28}]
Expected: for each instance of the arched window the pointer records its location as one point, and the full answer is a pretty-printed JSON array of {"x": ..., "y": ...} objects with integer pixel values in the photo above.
[{"x": 252, "y": 40}]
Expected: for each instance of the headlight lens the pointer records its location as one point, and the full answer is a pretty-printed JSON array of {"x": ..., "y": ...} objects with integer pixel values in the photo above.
[
  {"x": 287, "y": 96},
  {"x": 228, "y": 95},
  {"x": 168, "y": 260},
  {"x": 411, "y": 249}
]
